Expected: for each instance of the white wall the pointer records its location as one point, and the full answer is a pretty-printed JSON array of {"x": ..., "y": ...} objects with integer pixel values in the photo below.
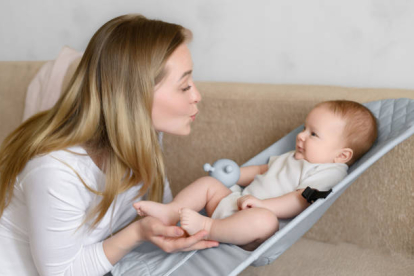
[{"x": 364, "y": 43}]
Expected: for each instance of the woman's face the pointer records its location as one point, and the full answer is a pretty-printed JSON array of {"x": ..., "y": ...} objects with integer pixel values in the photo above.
[{"x": 176, "y": 97}]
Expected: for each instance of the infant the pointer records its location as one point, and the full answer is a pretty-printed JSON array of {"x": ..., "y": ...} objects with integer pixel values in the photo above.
[{"x": 335, "y": 135}]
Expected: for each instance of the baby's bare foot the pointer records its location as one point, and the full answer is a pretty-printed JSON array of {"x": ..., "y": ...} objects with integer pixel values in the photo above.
[
  {"x": 163, "y": 212},
  {"x": 193, "y": 222},
  {"x": 141, "y": 207}
]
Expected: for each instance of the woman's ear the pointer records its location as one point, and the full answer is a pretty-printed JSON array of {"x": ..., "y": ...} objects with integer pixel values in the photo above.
[{"x": 344, "y": 156}]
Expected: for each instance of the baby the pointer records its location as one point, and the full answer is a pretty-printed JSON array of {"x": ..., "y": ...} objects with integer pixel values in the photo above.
[{"x": 335, "y": 135}]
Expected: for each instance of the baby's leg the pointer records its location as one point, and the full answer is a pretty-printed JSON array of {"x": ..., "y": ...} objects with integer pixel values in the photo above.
[
  {"x": 205, "y": 192},
  {"x": 167, "y": 213},
  {"x": 247, "y": 227}
]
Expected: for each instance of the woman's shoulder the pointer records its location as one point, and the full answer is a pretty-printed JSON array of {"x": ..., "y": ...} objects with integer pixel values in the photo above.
[
  {"x": 73, "y": 161},
  {"x": 61, "y": 158}
]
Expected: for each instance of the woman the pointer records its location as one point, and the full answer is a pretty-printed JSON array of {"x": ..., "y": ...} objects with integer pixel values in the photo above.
[{"x": 69, "y": 175}]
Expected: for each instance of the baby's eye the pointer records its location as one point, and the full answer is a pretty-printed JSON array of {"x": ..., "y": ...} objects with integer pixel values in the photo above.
[
  {"x": 187, "y": 88},
  {"x": 314, "y": 134}
]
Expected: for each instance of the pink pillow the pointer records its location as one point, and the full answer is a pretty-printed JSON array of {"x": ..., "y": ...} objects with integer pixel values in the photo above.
[{"x": 45, "y": 88}]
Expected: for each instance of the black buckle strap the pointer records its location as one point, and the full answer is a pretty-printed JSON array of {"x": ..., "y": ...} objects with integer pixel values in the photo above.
[{"x": 311, "y": 195}]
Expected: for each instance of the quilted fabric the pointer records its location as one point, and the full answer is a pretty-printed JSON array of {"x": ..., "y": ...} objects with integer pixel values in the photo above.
[
  {"x": 395, "y": 124},
  {"x": 394, "y": 117}
]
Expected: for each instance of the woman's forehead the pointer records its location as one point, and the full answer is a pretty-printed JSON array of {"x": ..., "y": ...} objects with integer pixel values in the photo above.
[{"x": 180, "y": 63}]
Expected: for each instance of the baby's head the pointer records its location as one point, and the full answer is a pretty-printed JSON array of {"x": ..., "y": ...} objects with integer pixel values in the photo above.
[{"x": 336, "y": 132}]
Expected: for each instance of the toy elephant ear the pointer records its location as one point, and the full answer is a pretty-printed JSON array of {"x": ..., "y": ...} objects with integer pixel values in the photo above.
[{"x": 224, "y": 170}]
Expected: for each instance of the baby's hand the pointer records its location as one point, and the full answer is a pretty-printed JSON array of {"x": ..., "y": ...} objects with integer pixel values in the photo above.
[{"x": 249, "y": 201}]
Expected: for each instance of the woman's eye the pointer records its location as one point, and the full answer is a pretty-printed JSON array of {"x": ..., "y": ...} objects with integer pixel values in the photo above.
[{"x": 187, "y": 88}]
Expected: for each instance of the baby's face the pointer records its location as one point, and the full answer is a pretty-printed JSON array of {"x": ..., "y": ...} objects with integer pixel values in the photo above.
[{"x": 321, "y": 139}]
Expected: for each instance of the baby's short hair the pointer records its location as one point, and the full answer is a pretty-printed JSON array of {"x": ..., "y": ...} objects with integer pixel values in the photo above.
[{"x": 361, "y": 125}]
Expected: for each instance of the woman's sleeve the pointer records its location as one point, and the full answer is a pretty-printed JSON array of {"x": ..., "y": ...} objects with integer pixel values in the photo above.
[
  {"x": 57, "y": 202},
  {"x": 167, "y": 198}
]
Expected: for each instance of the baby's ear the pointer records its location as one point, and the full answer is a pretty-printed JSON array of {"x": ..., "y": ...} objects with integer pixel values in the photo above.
[{"x": 344, "y": 156}]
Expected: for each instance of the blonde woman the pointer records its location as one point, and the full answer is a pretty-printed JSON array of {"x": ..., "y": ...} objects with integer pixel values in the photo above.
[{"x": 69, "y": 175}]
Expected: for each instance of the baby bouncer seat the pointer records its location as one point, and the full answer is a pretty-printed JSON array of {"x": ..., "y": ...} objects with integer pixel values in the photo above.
[{"x": 395, "y": 119}]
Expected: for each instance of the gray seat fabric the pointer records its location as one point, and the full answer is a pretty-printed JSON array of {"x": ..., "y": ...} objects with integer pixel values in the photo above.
[{"x": 395, "y": 124}]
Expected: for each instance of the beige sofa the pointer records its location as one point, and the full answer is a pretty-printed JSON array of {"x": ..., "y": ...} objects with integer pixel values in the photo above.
[{"x": 367, "y": 231}]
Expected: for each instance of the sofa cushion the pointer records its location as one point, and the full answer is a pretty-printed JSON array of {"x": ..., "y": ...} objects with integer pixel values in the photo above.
[
  {"x": 314, "y": 258},
  {"x": 45, "y": 88},
  {"x": 15, "y": 76}
]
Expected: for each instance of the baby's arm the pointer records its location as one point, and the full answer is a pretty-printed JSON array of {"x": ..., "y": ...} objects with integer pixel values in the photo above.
[
  {"x": 248, "y": 173},
  {"x": 286, "y": 206}
]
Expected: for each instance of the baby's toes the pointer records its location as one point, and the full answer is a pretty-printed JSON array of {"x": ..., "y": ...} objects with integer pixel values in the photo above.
[{"x": 138, "y": 207}]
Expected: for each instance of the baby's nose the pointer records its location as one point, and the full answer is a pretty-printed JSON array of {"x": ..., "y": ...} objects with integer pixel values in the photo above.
[{"x": 301, "y": 136}]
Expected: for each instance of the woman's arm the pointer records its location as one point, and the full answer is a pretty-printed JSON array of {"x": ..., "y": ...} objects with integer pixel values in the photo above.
[
  {"x": 57, "y": 203},
  {"x": 248, "y": 173},
  {"x": 168, "y": 238}
]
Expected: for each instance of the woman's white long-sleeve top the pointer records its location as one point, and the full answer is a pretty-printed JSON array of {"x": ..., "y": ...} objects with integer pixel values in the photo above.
[{"x": 41, "y": 231}]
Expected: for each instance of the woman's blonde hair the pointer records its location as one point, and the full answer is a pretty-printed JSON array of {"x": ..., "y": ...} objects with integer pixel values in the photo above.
[{"x": 106, "y": 107}]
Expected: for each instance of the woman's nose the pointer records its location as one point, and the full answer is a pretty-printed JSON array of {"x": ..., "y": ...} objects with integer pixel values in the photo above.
[{"x": 196, "y": 96}]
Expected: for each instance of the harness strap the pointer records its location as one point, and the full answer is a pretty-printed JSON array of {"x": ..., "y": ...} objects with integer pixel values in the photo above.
[{"x": 311, "y": 195}]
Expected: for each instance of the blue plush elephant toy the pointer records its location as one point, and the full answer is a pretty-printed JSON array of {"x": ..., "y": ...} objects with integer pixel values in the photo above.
[{"x": 224, "y": 170}]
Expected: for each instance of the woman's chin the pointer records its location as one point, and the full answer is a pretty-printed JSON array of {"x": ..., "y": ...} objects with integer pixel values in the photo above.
[{"x": 181, "y": 132}]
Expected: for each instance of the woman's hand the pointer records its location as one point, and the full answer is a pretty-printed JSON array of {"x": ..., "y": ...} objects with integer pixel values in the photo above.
[
  {"x": 172, "y": 238},
  {"x": 249, "y": 201}
]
